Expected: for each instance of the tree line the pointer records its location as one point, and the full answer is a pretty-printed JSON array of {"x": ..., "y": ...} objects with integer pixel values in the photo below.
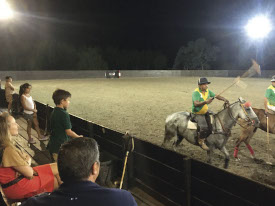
[{"x": 56, "y": 55}]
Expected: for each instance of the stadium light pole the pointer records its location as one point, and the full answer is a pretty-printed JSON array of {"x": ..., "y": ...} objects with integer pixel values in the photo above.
[
  {"x": 257, "y": 29},
  {"x": 5, "y": 10}
]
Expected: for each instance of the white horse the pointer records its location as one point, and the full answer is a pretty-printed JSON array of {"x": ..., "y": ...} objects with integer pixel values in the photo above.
[{"x": 178, "y": 125}]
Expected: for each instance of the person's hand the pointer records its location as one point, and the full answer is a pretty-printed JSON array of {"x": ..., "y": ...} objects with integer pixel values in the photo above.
[
  {"x": 34, "y": 173},
  {"x": 80, "y": 135},
  {"x": 34, "y": 110},
  {"x": 226, "y": 101},
  {"x": 209, "y": 101}
]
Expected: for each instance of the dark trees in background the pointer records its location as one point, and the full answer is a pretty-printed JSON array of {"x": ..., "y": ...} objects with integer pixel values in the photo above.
[
  {"x": 197, "y": 54},
  {"x": 56, "y": 55}
]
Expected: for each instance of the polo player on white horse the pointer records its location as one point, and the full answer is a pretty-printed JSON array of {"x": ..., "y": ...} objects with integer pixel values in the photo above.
[{"x": 201, "y": 97}]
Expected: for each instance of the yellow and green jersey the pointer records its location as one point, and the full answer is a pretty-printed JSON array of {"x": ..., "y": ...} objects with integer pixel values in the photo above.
[
  {"x": 270, "y": 95},
  {"x": 199, "y": 96}
]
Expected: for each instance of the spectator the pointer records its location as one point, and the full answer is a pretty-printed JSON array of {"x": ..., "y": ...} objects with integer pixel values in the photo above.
[
  {"x": 78, "y": 165},
  {"x": 61, "y": 127},
  {"x": 17, "y": 178},
  {"x": 30, "y": 112},
  {"x": 9, "y": 91}
]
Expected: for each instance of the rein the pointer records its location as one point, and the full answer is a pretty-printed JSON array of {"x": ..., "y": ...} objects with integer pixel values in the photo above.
[{"x": 231, "y": 116}]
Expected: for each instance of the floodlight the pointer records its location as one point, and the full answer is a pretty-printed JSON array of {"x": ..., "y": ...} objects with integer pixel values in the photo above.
[
  {"x": 5, "y": 10},
  {"x": 258, "y": 27}
]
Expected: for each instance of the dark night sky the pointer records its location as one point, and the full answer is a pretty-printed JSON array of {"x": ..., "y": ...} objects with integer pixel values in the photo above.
[{"x": 163, "y": 25}]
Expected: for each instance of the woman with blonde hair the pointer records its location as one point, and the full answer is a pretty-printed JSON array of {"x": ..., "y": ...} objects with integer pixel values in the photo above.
[{"x": 17, "y": 178}]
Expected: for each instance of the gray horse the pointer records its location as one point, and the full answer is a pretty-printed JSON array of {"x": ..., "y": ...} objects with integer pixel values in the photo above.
[{"x": 178, "y": 125}]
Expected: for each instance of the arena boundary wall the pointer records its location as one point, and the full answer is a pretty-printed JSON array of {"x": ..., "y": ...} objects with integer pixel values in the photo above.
[
  {"x": 69, "y": 74},
  {"x": 172, "y": 178}
]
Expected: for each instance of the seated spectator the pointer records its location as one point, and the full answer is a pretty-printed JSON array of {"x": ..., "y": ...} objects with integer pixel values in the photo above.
[
  {"x": 9, "y": 91},
  {"x": 30, "y": 112},
  {"x": 78, "y": 165},
  {"x": 17, "y": 178}
]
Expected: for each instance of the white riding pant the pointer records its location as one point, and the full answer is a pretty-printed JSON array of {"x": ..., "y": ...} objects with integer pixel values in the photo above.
[{"x": 271, "y": 107}]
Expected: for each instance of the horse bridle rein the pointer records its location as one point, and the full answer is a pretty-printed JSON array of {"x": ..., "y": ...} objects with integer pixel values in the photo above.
[{"x": 227, "y": 106}]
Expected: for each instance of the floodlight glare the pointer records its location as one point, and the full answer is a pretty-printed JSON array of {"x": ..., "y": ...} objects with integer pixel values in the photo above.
[
  {"x": 5, "y": 10},
  {"x": 258, "y": 27}
]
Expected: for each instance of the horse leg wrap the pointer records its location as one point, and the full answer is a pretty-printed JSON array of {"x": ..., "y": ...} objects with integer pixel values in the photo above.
[
  {"x": 236, "y": 152},
  {"x": 250, "y": 149}
]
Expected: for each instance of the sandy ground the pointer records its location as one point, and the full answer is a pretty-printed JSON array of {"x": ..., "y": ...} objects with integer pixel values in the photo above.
[{"x": 140, "y": 105}]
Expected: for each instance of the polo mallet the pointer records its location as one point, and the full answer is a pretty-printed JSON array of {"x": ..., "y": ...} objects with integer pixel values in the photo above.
[
  {"x": 129, "y": 145},
  {"x": 267, "y": 136},
  {"x": 254, "y": 69}
]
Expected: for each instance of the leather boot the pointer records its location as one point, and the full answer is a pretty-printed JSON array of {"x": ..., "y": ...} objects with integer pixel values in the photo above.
[{"x": 202, "y": 144}]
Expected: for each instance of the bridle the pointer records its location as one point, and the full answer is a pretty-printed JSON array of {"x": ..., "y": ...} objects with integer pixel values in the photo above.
[{"x": 228, "y": 107}]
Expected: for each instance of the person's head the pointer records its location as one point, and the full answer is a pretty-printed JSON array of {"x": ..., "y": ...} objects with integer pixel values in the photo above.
[
  {"x": 8, "y": 79},
  {"x": 62, "y": 97},
  {"x": 273, "y": 81},
  {"x": 203, "y": 83},
  {"x": 25, "y": 89},
  {"x": 8, "y": 128},
  {"x": 78, "y": 160}
]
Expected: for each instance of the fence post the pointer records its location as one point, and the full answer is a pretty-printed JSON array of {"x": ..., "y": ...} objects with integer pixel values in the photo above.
[{"x": 187, "y": 180}]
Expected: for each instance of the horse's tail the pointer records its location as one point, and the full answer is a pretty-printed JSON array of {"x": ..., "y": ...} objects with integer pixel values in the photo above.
[{"x": 170, "y": 132}]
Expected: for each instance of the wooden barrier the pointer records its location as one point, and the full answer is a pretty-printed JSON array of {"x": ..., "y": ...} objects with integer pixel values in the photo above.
[{"x": 172, "y": 178}]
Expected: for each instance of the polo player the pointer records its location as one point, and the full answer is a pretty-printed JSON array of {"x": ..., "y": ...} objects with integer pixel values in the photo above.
[
  {"x": 269, "y": 100},
  {"x": 201, "y": 97}
]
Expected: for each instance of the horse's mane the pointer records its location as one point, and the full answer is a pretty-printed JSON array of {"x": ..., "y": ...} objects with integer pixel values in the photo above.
[{"x": 225, "y": 106}]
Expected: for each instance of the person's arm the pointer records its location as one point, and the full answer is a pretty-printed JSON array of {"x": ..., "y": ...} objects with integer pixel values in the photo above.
[
  {"x": 25, "y": 106},
  {"x": 11, "y": 86},
  {"x": 35, "y": 110},
  {"x": 267, "y": 96},
  {"x": 27, "y": 171},
  {"x": 265, "y": 104},
  {"x": 196, "y": 98},
  {"x": 72, "y": 134},
  {"x": 34, "y": 105},
  {"x": 221, "y": 98},
  {"x": 18, "y": 161},
  {"x": 198, "y": 103}
]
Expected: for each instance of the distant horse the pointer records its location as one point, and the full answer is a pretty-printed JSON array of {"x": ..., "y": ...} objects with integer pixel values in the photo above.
[
  {"x": 176, "y": 125},
  {"x": 247, "y": 131}
]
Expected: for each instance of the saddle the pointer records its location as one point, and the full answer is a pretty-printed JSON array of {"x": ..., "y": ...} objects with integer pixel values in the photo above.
[{"x": 193, "y": 125}]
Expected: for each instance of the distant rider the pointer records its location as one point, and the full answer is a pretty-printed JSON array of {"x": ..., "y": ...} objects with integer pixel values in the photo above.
[{"x": 269, "y": 100}]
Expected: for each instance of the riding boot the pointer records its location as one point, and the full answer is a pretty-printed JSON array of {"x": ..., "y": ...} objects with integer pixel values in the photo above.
[{"x": 201, "y": 142}]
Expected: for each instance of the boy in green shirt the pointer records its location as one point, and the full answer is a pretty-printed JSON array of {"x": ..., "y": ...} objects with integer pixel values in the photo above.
[
  {"x": 61, "y": 127},
  {"x": 269, "y": 100}
]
